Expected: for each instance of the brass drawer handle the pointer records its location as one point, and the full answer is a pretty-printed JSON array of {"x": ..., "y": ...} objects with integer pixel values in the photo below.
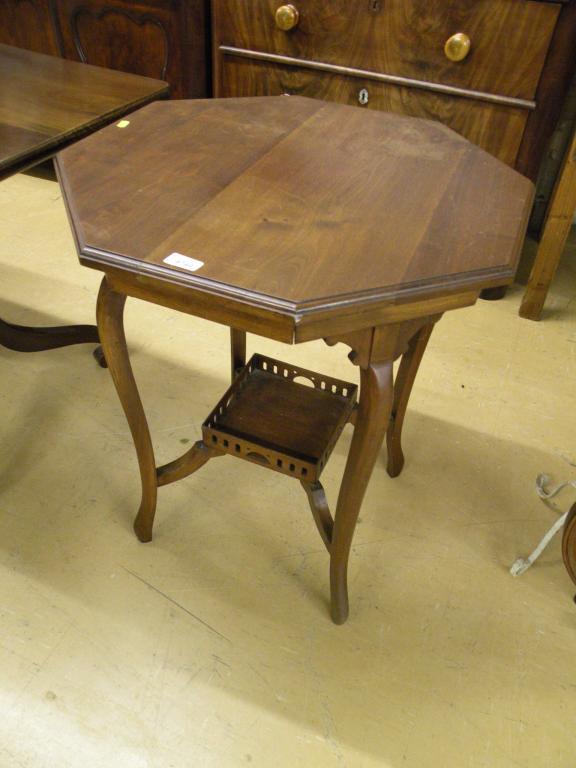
[
  {"x": 457, "y": 47},
  {"x": 287, "y": 17}
]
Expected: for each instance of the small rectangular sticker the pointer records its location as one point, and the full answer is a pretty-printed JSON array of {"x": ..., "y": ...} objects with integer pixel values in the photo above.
[{"x": 184, "y": 262}]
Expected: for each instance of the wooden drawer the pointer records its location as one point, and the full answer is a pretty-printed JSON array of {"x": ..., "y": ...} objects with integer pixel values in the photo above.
[
  {"x": 509, "y": 38},
  {"x": 498, "y": 129}
]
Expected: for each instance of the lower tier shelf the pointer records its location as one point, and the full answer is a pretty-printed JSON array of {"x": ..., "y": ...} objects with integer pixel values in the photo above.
[{"x": 281, "y": 416}]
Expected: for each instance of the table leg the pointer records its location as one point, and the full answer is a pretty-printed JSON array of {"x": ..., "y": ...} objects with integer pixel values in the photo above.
[
  {"x": 405, "y": 377},
  {"x": 494, "y": 294},
  {"x": 554, "y": 236},
  {"x": 376, "y": 397},
  {"x": 237, "y": 350},
  {"x": 569, "y": 543},
  {"x": 110, "y": 311},
  {"x": 26, "y": 339},
  {"x": 320, "y": 510}
]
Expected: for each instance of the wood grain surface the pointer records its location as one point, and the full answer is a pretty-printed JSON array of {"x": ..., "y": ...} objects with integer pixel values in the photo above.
[
  {"x": 505, "y": 95},
  {"x": 28, "y": 24},
  {"x": 559, "y": 219},
  {"x": 510, "y": 38},
  {"x": 497, "y": 129},
  {"x": 294, "y": 206},
  {"x": 46, "y": 103},
  {"x": 163, "y": 39},
  {"x": 286, "y": 214},
  {"x": 557, "y": 75}
]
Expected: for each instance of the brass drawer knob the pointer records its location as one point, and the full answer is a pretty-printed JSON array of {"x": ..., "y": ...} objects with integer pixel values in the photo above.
[
  {"x": 287, "y": 17},
  {"x": 457, "y": 47}
]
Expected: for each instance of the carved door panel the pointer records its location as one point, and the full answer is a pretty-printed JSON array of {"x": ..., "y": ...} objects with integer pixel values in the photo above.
[
  {"x": 28, "y": 24},
  {"x": 139, "y": 37}
]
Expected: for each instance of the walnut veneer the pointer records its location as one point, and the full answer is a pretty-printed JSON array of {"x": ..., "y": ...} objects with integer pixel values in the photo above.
[{"x": 504, "y": 94}]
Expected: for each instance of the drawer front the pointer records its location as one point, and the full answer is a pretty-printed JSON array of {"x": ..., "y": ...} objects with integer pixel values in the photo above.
[
  {"x": 28, "y": 25},
  {"x": 497, "y": 129},
  {"x": 509, "y": 39}
]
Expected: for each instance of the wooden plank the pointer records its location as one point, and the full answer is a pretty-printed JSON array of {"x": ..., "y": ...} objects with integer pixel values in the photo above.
[{"x": 555, "y": 234}]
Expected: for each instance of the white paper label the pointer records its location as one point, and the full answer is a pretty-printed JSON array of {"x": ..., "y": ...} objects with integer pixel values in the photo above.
[{"x": 184, "y": 262}]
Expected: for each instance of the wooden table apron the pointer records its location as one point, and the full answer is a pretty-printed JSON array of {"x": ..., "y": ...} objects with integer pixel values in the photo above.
[{"x": 403, "y": 331}]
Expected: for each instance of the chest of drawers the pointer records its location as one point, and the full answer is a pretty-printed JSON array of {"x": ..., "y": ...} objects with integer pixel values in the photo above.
[{"x": 493, "y": 70}]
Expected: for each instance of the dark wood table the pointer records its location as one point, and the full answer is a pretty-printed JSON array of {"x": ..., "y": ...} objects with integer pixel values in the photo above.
[
  {"x": 296, "y": 220},
  {"x": 46, "y": 103}
]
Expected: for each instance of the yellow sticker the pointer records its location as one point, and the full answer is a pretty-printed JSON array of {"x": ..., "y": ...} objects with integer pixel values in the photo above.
[{"x": 123, "y": 124}]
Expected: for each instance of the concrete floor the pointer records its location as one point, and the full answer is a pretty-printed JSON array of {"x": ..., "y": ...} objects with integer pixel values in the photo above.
[{"x": 212, "y": 645}]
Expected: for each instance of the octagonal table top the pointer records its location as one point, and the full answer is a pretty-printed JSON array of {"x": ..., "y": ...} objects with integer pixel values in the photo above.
[{"x": 294, "y": 206}]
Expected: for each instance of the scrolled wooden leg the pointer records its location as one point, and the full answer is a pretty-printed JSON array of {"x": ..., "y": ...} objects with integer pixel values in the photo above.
[
  {"x": 21, "y": 338},
  {"x": 237, "y": 350},
  {"x": 110, "y": 310},
  {"x": 320, "y": 510},
  {"x": 376, "y": 392},
  {"x": 405, "y": 377},
  {"x": 569, "y": 544},
  {"x": 186, "y": 464}
]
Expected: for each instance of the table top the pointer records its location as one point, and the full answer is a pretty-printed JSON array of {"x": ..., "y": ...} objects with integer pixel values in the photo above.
[
  {"x": 294, "y": 207},
  {"x": 47, "y": 102}
]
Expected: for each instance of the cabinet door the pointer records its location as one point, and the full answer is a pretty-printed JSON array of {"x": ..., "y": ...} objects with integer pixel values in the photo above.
[
  {"x": 28, "y": 24},
  {"x": 156, "y": 38}
]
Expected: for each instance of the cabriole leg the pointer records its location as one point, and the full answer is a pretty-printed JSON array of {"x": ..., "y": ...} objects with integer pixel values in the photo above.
[
  {"x": 569, "y": 544},
  {"x": 376, "y": 391},
  {"x": 405, "y": 377},
  {"x": 110, "y": 311}
]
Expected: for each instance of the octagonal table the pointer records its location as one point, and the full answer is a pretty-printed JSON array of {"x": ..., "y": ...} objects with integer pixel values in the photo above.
[{"x": 296, "y": 220}]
